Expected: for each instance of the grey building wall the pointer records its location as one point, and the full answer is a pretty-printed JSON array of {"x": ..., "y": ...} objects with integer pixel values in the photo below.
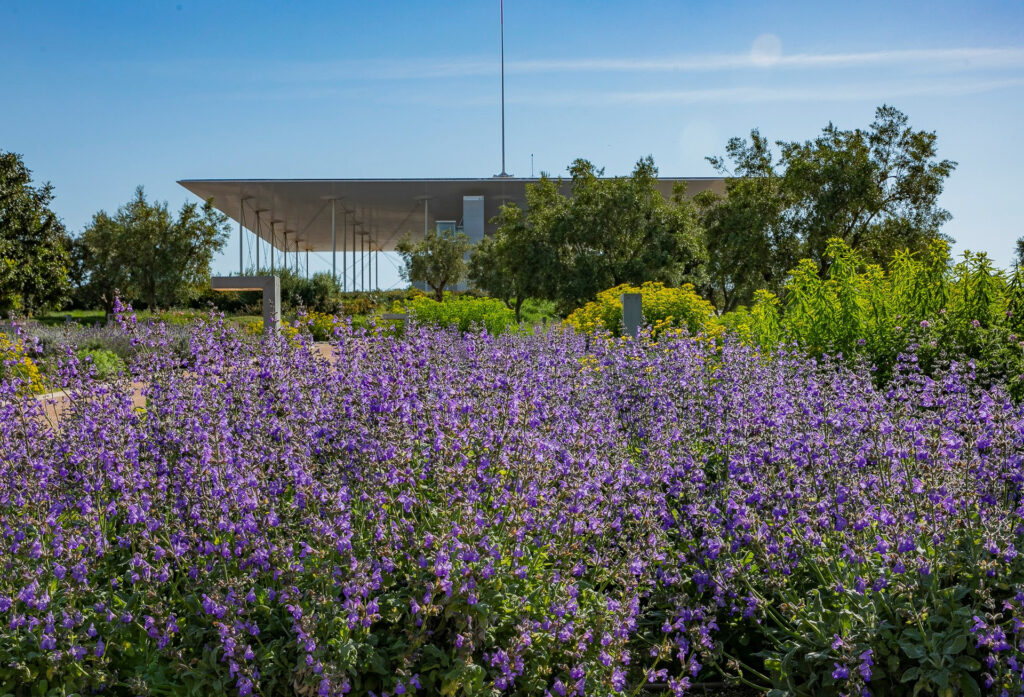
[{"x": 473, "y": 217}]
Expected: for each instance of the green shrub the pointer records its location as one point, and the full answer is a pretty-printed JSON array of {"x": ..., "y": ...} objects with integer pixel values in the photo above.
[
  {"x": 943, "y": 311},
  {"x": 105, "y": 364},
  {"x": 464, "y": 313},
  {"x": 535, "y": 311}
]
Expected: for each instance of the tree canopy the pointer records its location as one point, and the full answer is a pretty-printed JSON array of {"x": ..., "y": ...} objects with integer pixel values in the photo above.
[
  {"x": 875, "y": 189},
  {"x": 437, "y": 260},
  {"x": 606, "y": 232},
  {"x": 515, "y": 263},
  {"x": 146, "y": 254},
  {"x": 34, "y": 246}
]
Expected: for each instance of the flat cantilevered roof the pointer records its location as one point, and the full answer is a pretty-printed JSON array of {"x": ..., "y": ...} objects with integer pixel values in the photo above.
[{"x": 384, "y": 210}]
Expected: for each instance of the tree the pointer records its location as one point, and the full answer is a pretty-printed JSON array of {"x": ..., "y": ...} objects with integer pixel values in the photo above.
[
  {"x": 34, "y": 246},
  {"x": 622, "y": 230},
  {"x": 876, "y": 189},
  {"x": 749, "y": 246},
  {"x": 437, "y": 260},
  {"x": 148, "y": 256},
  {"x": 604, "y": 233},
  {"x": 514, "y": 263}
]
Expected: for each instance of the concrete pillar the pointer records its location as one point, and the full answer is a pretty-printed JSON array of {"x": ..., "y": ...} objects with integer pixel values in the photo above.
[{"x": 269, "y": 285}]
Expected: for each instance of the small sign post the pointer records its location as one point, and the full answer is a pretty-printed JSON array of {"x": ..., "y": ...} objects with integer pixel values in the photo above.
[{"x": 632, "y": 313}]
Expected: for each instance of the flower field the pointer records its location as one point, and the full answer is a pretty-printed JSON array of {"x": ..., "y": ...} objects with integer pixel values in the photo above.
[{"x": 548, "y": 514}]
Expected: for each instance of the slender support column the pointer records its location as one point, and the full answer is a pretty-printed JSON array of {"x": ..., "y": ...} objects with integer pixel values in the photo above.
[
  {"x": 376, "y": 264},
  {"x": 296, "y": 257},
  {"x": 362, "y": 262},
  {"x": 284, "y": 252},
  {"x": 273, "y": 242},
  {"x": 334, "y": 247},
  {"x": 354, "y": 257},
  {"x": 307, "y": 263},
  {"x": 241, "y": 242},
  {"x": 344, "y": 247},
  {"x": 259, "y": 239}
]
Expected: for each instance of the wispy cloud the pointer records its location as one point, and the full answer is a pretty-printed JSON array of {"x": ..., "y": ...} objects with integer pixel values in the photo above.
[
  {"x": 969, "y": 58},
  {"x": 958, "y": 59},
  {"x": 762, "y": 94},
  {"x": 741, "y": 94}
]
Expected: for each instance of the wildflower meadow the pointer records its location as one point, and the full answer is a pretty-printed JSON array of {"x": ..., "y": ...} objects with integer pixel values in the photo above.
[{"x": 549, "y": 513}]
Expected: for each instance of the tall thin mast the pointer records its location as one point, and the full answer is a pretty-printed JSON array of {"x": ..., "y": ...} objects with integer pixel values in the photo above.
[{"x": 501, "y": 16}]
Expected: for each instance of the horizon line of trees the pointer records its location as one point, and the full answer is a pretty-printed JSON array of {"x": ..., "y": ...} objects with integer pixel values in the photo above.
[{"x": 876, "y": 189}]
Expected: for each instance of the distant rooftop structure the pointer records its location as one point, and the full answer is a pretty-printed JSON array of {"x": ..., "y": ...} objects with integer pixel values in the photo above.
[
  {"x": 384, "y": 210},
  {"x": 360, "y": 217}
]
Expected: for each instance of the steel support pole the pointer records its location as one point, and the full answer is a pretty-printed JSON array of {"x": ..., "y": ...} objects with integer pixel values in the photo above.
[
  {"x": 307, "y": 263},
  {"x": 258, "y": 240},
  {"x": 376, "y": 264},
  {"x": 273, "y": 241},
  {"x": 344, "y": 248},
  {"x": 354, "y": 276},
  {"x": 334, "y": 247},
  {"x": 241, "y": 242},
  {"x": 284, "y": 252},
  {"x": 296, "y": 257},
  {"x": 501, "y": 11}
]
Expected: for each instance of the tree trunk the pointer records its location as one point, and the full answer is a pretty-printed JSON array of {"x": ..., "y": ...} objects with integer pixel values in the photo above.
[
  {"x": 519, "y": 307},
  {"x": 438, "y": 293}
]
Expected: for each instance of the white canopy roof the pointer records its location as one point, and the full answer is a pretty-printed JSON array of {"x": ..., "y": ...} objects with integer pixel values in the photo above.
[{"x": 385, "y": 210}]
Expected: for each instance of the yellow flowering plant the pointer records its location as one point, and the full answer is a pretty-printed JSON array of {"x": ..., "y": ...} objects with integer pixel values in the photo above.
[
  {"x": 664, "y": 309},
  {"x": 15, "y": 363}
]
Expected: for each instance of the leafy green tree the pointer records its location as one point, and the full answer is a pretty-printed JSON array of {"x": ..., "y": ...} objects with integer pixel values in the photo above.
[
  {"x": 437, "y": 260},
  {"x": 514, "y": 263},
  {"x": 147, "y": 255},
  {"x": 622, "y": 230},
  {"x": 606, "y": 232},
  {"x": 875, "y": 189},
  {"x": 35, "y": 262},
  {"x": 748, "y": 243}
]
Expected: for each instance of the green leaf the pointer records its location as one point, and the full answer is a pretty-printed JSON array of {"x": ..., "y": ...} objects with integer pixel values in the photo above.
[
  {"x": 910, "y": 674},
  {"x": 968, "y": 663},
  {"x": 956, "y": 645},
  {"x": 969, "y": 686},
  {"x": 915, "y": 651}
]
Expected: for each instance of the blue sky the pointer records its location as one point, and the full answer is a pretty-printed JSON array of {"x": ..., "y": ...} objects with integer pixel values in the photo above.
[{"x": 102, "y": 96}]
